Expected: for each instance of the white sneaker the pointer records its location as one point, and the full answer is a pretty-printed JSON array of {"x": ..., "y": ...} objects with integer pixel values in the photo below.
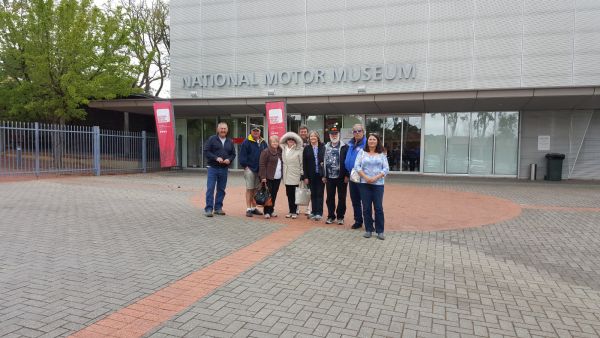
[
  {"x": 267, "y": 216},
  {"x": 273, "y": 214}
]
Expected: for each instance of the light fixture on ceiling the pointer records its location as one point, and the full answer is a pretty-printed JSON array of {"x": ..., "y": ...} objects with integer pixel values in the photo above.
[
  {"x": 271, "y": 92},
  {"x": 194, "y": 94},
  {"x": 361, "y": 89}
]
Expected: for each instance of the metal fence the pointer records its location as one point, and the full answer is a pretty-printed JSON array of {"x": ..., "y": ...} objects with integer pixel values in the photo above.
[{"x": 38, "y": 149}]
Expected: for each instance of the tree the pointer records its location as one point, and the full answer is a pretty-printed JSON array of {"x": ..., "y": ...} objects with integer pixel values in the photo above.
[
  {"x": 150, "y": 44},
  {"x": 55, "y": 57}
]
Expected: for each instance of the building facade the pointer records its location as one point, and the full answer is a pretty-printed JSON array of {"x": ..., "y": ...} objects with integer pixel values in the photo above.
[{"x": 455, "y": 87}]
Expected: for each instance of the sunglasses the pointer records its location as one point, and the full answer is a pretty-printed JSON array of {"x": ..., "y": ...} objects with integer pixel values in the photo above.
[{"x": 357, "y": 131}]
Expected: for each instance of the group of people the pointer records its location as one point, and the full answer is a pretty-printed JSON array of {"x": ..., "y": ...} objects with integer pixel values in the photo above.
[{"x": 303, "y": 160}]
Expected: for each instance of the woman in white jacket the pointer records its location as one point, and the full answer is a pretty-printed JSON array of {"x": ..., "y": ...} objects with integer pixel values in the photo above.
[{"x": 291, "y": 143}]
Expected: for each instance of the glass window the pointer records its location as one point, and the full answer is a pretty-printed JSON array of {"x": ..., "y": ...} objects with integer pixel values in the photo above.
[
  {"x": 435, "y": 143},
  {"x": 293, "y": 122},
  {"x": 392, "y": 140},
  {"x": 209, "y": 128},
  {"x": 507, "y": 143},
  {"x": 194, "y": 143},
  {"x": 457, "y": 151},
  {"x": 351, "y": 120},
  {"x": 374, "y": 125},
  {"x": 411, "y": 144},
  {"x": 482, "y": 143},
  {"x": 315, "y": 122}
]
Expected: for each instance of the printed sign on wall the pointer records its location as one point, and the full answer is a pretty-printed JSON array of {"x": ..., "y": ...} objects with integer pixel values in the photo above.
[
  {"x": 165, "y": 131},
  {"x": 543, "y": 142},
  {"x": 276, "y": 118}
]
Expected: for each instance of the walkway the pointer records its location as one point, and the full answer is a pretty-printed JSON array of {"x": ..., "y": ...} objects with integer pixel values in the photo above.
[{"x": 133, "y": 256}]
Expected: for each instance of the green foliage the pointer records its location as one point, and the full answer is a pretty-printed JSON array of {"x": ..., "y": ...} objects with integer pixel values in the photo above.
[
  {"x": 148, "y": 23},
  {"x": 55, "y": 57}
]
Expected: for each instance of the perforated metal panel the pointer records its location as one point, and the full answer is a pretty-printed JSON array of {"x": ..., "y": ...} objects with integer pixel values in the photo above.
[{"x": 455, "y": 44}]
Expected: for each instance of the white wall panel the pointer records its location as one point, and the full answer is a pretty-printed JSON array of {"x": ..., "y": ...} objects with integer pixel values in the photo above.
[{"x": 456, "y": 44}]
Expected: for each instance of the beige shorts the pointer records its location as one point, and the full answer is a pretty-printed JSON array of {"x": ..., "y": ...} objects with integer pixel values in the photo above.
[{"x": 251, "y": 178}]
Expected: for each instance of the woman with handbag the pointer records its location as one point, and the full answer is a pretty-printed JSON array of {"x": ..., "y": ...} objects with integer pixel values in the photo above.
[
  {"x": 312, "y": 163},
  {"x": 270, "y": 171},
  {"x": 372, "y": 166},
  {"x": 291, "y": 145}
]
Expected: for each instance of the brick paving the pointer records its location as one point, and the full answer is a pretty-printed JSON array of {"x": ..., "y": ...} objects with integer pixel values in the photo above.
[{"x": 74, "y": 251}]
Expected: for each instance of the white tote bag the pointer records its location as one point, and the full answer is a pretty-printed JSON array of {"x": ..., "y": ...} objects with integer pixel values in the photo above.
[
  {"x": 354, "y": 175},
  {"x": 302, "y": 195}
]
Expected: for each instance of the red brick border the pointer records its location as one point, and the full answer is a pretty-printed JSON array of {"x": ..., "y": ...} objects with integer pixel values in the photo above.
[{"x": 144, "y": 315}]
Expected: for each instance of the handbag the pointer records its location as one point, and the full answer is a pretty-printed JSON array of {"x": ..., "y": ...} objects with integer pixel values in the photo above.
[
  {"x": 263, "y": 196},
  {"x": 302, "y": 195},
  {"x": 354, "y": 175}
]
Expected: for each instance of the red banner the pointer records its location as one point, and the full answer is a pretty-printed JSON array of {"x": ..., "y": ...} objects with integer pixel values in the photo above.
[
  {"x": 276, "y": 118},
  {"x": 165, "y": 130}
]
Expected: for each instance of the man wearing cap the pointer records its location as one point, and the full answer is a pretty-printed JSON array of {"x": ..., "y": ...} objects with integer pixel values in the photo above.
[
  {"x": 336, "y": 176},
  {"x": 249, "y": 159},
  {"x": 220, "y": 153}
]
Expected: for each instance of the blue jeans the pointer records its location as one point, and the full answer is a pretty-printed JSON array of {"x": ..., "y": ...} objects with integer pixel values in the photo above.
[
  {"x": 356, "y": 202},
  {"x": 372, "y": 198},
  {"x": 216, "y": 177}
]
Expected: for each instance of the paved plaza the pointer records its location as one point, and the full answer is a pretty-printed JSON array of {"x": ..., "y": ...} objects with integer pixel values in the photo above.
[{"x": 134, "y": 256}]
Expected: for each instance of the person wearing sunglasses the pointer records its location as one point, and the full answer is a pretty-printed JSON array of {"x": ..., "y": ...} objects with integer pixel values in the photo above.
[
  {"x": 355, "y": 145},
  {"x": 372, "y": 166}
]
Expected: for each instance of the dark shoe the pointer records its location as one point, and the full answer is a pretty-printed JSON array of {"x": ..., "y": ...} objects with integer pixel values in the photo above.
[
  {"x": 220, "y": 212},
  {"x": 367, "y": 234},
  {"x": 380, "y": 236},
  {"x": 208, "y": 214},
  {"x": 356, "y": 226},
  {"x": 329, "y": 220},
  {"x": 249, "y": 213},
  {"x": 257, "y": 212}
]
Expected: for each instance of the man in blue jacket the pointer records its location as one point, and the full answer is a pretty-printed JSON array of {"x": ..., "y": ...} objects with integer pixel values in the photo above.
[
  {"x": 220, "y": 153},
  {"x": 354, "y": 146},
  {"x": 250, "y": 151}
]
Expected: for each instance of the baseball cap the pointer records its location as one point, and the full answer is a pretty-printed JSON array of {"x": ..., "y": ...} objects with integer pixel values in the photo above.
[
  {"x": 255, "y": 127},
  {"x": 333, "y": 129}
]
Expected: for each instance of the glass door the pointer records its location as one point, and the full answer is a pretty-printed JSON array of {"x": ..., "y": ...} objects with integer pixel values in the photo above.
[
  {"x": 401, "y": 136},
  {"x": 194, "y": 143},
  {"x": 209, "y": 128},
  {"x": 458, "y": 127},
  {"x": 482, "y": 143},
  {"x": 410, "y": 150}
]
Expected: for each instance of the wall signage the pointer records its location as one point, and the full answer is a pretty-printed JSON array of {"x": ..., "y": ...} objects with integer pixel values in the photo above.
[
  {"x": 543, "y": 142},
  {"x": 362, "y": 73}
]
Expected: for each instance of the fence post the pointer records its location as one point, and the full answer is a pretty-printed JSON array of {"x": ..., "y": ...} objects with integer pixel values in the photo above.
[
  {"x": 37, "y": 149},
  {"x": 144, "y": 149},
  {"x": 96, "y": 147}
]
